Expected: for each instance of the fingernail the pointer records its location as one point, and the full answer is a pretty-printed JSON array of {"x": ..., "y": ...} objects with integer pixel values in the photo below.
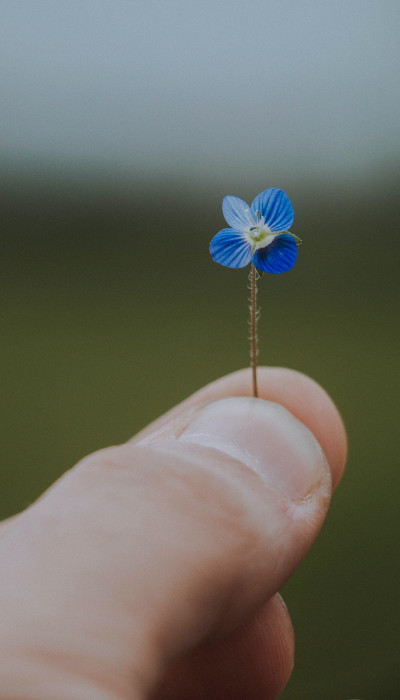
[{"x": 265, "y": 437}]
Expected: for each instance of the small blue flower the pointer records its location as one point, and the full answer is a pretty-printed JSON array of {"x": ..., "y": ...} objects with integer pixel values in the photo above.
[{"x": 258, "y": 233}]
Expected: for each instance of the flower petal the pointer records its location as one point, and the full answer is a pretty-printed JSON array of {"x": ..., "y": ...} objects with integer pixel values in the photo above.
[
  {"x": 237, "y": 213},
  {"x": 276, "y": 208},
  {"x": 279, "y": 256},
  {"x": 229, "y": 248}
]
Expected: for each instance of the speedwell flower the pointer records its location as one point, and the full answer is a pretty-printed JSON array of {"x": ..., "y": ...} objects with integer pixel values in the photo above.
[{"x": 258, "y": 233}]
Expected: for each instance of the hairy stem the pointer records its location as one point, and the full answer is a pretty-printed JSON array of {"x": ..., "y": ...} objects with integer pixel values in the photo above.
[{"x": 253, "y": 327}]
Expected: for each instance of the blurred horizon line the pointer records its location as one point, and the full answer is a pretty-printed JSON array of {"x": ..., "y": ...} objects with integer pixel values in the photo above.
[{"x": 56, "y": 177}]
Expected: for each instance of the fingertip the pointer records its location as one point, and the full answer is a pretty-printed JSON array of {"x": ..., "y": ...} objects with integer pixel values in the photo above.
[
  {"x": 313, "y": 406},
  {"x": 300, "y": 395},
  {"x": 297, "y": 392},
  {"x": 254, "y": 661}
]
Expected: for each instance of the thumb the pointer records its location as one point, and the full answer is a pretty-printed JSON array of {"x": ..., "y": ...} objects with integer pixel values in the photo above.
[
  {"x": 250, "y": 487},
  {"x": 145, "y": 550}
]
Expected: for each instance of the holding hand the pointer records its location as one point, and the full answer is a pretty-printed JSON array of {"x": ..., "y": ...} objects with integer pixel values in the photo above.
[{"x": 151, "y": 569}]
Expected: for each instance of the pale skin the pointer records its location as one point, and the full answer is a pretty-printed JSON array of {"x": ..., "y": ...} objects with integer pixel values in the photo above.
[{"x": 151, "y": 570}]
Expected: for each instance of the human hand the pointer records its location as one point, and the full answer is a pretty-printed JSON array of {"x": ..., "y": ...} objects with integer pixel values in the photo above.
[{"x": 151, "y": 569}]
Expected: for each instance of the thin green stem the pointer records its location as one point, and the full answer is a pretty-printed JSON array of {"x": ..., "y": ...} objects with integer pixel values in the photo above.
[{"x": 253, "y": 327}]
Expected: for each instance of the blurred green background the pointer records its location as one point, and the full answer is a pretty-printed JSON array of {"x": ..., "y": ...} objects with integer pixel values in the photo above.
[{"x": 112, "y": 311}]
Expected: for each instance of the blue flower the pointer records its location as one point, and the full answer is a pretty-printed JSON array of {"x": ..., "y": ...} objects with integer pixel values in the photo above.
[{"x": 258, "y": 233}]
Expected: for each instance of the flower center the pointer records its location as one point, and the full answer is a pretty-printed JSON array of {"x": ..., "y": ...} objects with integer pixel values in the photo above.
[{"x": 260, "y": 235}]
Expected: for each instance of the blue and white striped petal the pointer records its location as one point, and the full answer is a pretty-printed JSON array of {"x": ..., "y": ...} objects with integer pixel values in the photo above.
[
  {"x": 230, "y": 248},
  {"x": 276, "y": 208},
  {"x": 237, "y": 213},
  {"x": 279, "y": 256}
]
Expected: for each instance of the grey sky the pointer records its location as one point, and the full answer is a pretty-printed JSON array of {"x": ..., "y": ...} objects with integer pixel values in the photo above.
[{"x": 202, "y": 87}]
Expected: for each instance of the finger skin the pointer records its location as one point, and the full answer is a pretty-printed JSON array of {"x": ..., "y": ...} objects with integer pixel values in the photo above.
[
  {"x": 203, "y": 674},
  {"x": 119, "y": 565},
  {"x": 301, "y": 395},
  {"x": 5, "y": 525},
  {"x": 253, "y": 663}
]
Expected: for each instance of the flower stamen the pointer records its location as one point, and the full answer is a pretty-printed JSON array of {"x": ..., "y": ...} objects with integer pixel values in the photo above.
[{"x": 259, "y": 236}]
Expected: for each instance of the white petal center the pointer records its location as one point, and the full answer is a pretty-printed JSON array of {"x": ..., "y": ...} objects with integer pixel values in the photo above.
[{"x": 259, "y": 235}]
